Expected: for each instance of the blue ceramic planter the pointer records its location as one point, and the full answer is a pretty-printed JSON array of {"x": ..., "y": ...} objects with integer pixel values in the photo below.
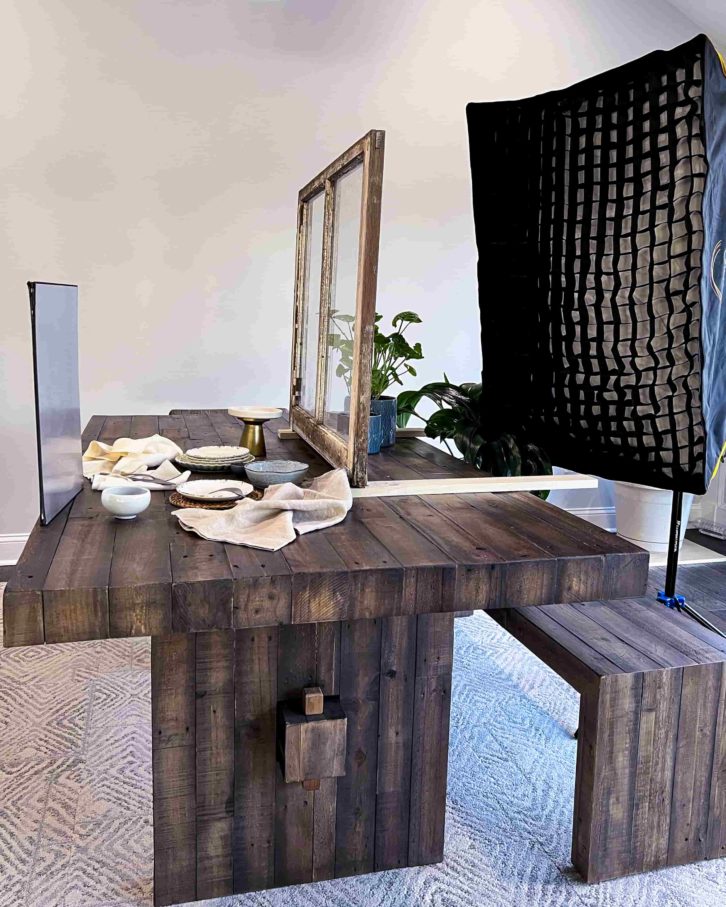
[
  {"x": 387, "y": 407},
  {"x": 375, "y": 435}
]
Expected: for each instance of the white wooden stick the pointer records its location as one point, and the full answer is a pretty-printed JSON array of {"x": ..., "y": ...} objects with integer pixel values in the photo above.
[
  {"x": 474, "y": 485},
  {"x": 289, "y": 434}
]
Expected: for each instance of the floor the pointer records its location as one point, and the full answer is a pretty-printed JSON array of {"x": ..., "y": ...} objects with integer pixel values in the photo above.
[{"x": 75, "y": 786}]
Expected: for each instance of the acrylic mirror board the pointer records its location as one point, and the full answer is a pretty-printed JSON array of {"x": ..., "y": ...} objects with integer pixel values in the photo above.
[
  {"x": 338, "y": 232},
  {"x": 54, "y": 318}
]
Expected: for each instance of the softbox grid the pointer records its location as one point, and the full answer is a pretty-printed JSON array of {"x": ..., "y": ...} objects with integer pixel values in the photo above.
[{"x": 589, "y": 213}]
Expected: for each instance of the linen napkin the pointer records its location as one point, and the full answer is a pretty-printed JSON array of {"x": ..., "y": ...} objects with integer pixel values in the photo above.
[
  {"x": 107, "y": 464},
  {"x": 272, "y": 522}
]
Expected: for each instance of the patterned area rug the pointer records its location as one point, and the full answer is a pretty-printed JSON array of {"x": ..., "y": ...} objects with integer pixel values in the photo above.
[{"x": 75, "y": 791}]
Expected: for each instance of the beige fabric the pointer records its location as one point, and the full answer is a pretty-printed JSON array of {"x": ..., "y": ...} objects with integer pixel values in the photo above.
[
  {"x": 107, "y": 464},
  {"x": 272, "y": 522}
]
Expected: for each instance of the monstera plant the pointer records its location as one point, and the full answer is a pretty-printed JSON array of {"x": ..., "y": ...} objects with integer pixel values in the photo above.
[{"x": 458, "y": 419}]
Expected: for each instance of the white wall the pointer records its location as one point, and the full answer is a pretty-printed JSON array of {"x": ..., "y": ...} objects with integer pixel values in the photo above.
[{"x": 152, "y": 151}]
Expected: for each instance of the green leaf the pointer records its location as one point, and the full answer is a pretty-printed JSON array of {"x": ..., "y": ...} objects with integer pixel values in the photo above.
[
  {"x": 346, "y": 319},
  {"x": 411, "y": 370},
  {"x": 441, "y": 424},
  {"x": 406, "y": 404},
  {"x": 405, "y": 318}
]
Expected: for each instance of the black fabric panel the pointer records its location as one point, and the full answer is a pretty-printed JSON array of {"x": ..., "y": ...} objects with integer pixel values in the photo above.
[{"x": 589, "y": 216}]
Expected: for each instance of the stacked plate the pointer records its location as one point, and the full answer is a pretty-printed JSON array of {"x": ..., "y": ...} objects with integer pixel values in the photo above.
[{"x": 213, "y": 459}]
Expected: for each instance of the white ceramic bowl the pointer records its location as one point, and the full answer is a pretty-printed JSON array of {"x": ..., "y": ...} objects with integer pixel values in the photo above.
[{"x": 125, "y": 502}]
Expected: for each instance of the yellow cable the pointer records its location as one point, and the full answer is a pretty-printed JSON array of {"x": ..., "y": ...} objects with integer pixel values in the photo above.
[{"x": 721, "y": 457}]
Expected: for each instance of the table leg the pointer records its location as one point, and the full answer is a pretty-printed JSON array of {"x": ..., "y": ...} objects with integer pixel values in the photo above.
[{"x": 225, "y": 821}]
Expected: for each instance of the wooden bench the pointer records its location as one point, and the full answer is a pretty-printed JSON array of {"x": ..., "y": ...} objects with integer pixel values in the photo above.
[{"x": 650, "y": 788}]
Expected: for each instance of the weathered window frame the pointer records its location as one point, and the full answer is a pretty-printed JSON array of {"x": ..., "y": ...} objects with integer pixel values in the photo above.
[{"x": 352, "y": 454}]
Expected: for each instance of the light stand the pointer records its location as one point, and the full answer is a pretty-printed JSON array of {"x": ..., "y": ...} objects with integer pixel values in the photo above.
[{"x": 668, "y": 596}]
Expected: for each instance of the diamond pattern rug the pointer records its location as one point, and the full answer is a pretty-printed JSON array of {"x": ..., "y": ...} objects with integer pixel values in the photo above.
[{"x": 75, "y": 791}]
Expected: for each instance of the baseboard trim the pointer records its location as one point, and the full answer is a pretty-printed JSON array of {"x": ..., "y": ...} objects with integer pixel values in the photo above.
[{"x": 11, "y": 547}]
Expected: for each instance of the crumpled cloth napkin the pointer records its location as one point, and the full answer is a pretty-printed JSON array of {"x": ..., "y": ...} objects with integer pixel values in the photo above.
[
  {"x": 107, "y": 464},
  {"x": 272, "y": 522}
]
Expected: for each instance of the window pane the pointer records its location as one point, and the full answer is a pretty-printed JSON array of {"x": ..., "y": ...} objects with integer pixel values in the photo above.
[
  {"x": 311, "y": 303},
  {"x": 344, "y": 280}
]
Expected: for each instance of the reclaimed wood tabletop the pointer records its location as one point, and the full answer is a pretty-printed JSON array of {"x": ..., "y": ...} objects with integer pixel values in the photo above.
[{"x": 88, "y": 576}]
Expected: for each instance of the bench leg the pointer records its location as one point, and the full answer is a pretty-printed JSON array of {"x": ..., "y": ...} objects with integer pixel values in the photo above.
[{"x": 650, "y": 788}]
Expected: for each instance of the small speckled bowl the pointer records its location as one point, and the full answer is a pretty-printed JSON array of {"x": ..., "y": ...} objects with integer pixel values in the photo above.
[{"x": 263, "y": 473}]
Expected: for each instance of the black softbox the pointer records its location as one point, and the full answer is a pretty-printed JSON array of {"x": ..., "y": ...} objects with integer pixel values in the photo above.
[{"x": 600, "y": 214}]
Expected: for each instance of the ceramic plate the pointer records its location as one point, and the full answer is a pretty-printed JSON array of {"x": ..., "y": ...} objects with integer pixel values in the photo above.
[
  {"x": 210, "y": 489},
  {"x": 209, "y": 465},
  {"x": 255, "y": 412},
  {"x": 217, "y": 453}
]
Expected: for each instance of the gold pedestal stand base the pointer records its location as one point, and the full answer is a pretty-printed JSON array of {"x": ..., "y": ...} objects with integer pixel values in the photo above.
[{"x": 253, "y": 437}]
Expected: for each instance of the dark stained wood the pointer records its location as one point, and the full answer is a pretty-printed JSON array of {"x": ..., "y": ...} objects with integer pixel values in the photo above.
[
  {"x": 360, "y": 664},
  {"x": 139, "y": 587},
  {"x": 75, "y": 591},
  {"x": 649, "y": 787},
  {"x": 202, "y": 591},
  {"x": 434, "y": 663},
  {"x": 200, "y": 427},
  {"x": 173, "y": 723},
  {"x": 395, "y": 732},
  {"x": 717, "y": 803},
  {"x": 580, "y": 565},
  {"x": 262, "y": 582},
  {"x": 23, "y": 598},
  {"x": 472, "y": 581},
  {"x": 144, "y": 426},
  {"x": 294, "y": 806},
  {"x": 692, "y": 773},
  {"x": 256, "y": 697},
  {"x": 327, "y": 643},
  {"x": 626, "y": 565},
  {"x": 320, "y": 580},
  {"x": 115, "y": 427},
  {"x": 92, "y": 430},
  {"x": 324, "y": 812},
  {"x": 215, "y": 761},
  {"x": 425, "y": 566}
]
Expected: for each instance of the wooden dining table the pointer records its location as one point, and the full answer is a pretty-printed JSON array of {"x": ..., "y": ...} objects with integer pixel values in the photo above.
[{"x": 363, "y": 610}]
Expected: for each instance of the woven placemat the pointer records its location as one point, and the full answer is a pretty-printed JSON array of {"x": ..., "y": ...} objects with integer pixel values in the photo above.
[{"x": 178, "y": 500}]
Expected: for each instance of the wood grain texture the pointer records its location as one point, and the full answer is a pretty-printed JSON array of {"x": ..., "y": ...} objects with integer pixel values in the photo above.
[
  {"x": 140, "y": 580},
  {"x": 256, "y": 696},
  {"x": 389, "y": 557},
  {"x": 203, "y": 589},
  {"x": 23, "y": 597},
  {"x": 434, "y": 664},
  {"x": 75, "y": 591},
  {"x": 649, "y": 786},
  {"x": 395, "y": 733},
  {"x": 215, "y": 761},
  {"x": 359, "y": 694},
  {"x": 173, "y": 726},
  {"x": 294, "y": 806}
]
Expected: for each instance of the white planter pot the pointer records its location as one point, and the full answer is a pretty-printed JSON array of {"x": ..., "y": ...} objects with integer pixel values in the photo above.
[{"x": 643, "y": 515}]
